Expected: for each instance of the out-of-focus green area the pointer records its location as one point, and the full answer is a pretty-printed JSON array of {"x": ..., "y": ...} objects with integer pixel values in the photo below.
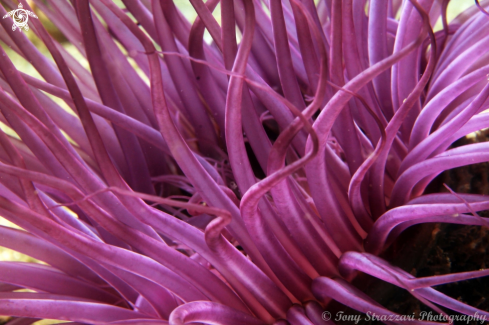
[
  {"x": 457, "y": 6},
  {"x": 454, "y": 8}
]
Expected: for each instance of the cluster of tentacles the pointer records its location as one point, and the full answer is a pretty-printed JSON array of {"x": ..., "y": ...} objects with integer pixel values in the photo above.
[{"x": 241, "y": 168}]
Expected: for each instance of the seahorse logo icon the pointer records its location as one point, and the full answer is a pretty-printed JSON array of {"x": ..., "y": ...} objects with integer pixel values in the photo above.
[{"x": 20, "y": 17}]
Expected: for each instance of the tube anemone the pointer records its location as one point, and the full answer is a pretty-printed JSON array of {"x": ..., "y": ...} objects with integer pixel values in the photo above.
[{"x": 176, "y": 179}]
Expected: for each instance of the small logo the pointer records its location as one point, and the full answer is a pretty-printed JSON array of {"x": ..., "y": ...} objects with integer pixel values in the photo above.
[{"x": 20, "y": 17}]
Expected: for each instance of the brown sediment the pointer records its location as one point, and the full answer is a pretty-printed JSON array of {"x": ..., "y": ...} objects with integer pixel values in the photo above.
[{"x": 432, "y": 249}]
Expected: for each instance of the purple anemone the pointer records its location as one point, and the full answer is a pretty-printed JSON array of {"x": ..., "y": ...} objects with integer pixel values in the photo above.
[{"x": 243, "y": 178}]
